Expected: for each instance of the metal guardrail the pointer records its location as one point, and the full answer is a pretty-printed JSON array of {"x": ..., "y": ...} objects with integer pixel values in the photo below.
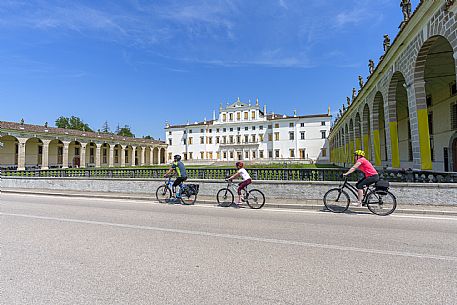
[{"x": 278, "y": 174}]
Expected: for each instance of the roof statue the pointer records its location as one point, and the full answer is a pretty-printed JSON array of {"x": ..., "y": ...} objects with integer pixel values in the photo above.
[
  {"x": 348, "y": 99},
  {"x": 386, "y": 42},
  {"x": 371, "y": 66},
  {"x": 361, "y": 84},
  {"x": 406, "y": 9},
  {"x": 354, "y": 94}
]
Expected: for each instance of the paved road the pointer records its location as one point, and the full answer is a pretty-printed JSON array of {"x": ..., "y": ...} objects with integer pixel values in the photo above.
[{"x": 96, "y": 251}]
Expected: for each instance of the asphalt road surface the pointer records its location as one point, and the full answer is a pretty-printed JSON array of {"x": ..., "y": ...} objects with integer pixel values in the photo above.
[{"x": 57, "y": 250}]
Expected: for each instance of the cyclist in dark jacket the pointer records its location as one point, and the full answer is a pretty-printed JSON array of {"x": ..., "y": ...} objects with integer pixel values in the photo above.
[{"x": 181, "y": 174}]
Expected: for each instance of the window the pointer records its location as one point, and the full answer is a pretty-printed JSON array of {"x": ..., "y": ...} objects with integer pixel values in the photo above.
[
  {"x": 231, "y": 139},
  {"x": 224, "y": 117},
  {"x": 40, "y": 151},
  {"x": 217, "y": 140},
  {"x": 302, "y": 135},
  {"x": 302, "y": 124},
  {"x": 323, "y": 123},
  {"x": 291, "y": 135},
  {"x": 231, "y": 129},
  {"x": 261, "y": 127},
  {"x": 217, "y": 130},
  {"x": 190, "y": 131},
  {"x": 190, "y": 140},
  {"x": 261, "y": 137},
  {"x": 246, "y": 115},
  {"x": 210, "y": 131},
  {"x": 231, "y": 116},
  {"x": 253, "y": 115},
  {"x": 238, "y": 116},
  {"x": 127, "y": 156},
  {"x": 169, "y": 133},
  {"x": 324, "y": 134},
  {"x": 246, "y": 138},
  {"x": 246, "y": 154},
  {"x": 224, "y": 130},
  {"x": 270, "y": 154},
  {"x": 184, "y": 141},
  {"x": 254, "y": 138},
  {"x": 261, "y": 154},
  {"x": 190, "y": 156},
  {"x": 185, "y": 156},
  {"x": 270, "y": 126},
  {"x": 270, "y": 137},
  {"x": 224, "y": 139},
  {"x": 238, "y": 139},
  {"x": 277, "y": 125},
  {"x": 231, "y": 155},
  {"x": 277, "y": 153},
  {"x": 276, "y": 136},
  {"x": 202, "y": 140},
  {"x": 246, "y": 128},
  {"x": 202, "y": 155},
  {"x": 453, "y": 117},
  {"x": 202, "y": 130},
  {"x": 302, "y": 153},
  {"x": 253, "y": 154},
  {"x": 324, "y": 152},
  {"x": 291, "y": 125},
  {"x": 170, "y": 142},
  {"x": 238, "y": 129},
  {"x": 170, "y": 155},
  {"x": 292, "y": 153},
  {"x": 185, "y": 132},
  {"x": 225, "y": 155},
  {"x": 210, "y": 140},
  {"x": 253, "y": 127}
]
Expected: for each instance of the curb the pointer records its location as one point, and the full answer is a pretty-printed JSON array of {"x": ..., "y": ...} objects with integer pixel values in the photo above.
[{"x": 287, "y": 206}]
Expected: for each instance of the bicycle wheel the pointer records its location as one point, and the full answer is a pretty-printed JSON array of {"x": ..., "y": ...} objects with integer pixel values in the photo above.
[
  {"x": 382, "y": 204},
  {"x": 225, "y": 197},
  {"x": 163, "y": 194},
  {"x": 188, "y": 196},
  {"x": 336, "y": 200},
  {"x": 255, "y": 199}
]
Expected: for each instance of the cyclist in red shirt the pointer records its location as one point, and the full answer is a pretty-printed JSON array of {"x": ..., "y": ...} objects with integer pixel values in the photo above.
[{"x": 370, "y": 174}]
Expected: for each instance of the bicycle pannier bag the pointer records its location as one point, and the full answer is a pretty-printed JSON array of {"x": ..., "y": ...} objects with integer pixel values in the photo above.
[
  {"x": 194, "y": 188},
  {"x": 382, "y": 186}
]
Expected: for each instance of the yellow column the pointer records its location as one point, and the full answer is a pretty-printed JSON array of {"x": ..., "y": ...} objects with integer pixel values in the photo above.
[
  {"x": 366, "y": 146},
  {"x": 394, "y": 144},
  {"x": 377, "y": 147},
  {"x": 424, "y": 139}
]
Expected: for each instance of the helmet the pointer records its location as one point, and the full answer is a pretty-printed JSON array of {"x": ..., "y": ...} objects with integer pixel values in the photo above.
[
  {"x": 239, "y": 164},
  {"x": 359, "y": 152},
  {"x": 177, "y": 158}
]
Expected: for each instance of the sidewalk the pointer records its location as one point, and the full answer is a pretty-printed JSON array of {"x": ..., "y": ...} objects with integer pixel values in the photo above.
[{"x": 316, "y": 205}]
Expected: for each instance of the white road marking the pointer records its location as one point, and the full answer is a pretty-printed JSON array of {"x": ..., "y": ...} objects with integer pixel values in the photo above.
[
  {"x": 241, "y": 237},
  {"x": 265, "y": 209}
]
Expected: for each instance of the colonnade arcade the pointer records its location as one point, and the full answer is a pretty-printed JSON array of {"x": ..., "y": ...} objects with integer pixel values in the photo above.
[
  {"x": 406, "y": 115},
  {"x": 34, "y": 152}
]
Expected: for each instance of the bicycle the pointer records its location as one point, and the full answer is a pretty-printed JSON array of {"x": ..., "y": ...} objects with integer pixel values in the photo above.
[
  {"x": 254, "y": 198},
  {"x": 376, "y": 197},
  {"x": 166, "y": 192}
]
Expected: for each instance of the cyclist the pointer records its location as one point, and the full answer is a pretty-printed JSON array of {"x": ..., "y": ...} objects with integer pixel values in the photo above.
[
  {"x": 180, "y": 170},
  {"x": 244, "y": 175},
  {"x": 370, "y": 174}
]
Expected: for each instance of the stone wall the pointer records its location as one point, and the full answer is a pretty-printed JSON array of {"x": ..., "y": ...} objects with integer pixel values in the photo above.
[{"x": 293, "y": 192}]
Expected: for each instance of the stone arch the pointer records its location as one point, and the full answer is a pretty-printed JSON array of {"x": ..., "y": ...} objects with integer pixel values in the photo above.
[
  {"x": 434, "y": 84},
  {"x": 129, "y": 158},
  {"x": 147, "y": 155},
  {"x": 9, "y": 157},
  {"x": 91, "y": 152},
  {"x": 155, "y": 157},
  {"x": 117, "y": 155},
  {"x": 74, "y": 154},
  {"x": 56, "y": 153},
  {"x": 399, "y": 123},
  {"x": 366, "y": 131},
  {"x": 351, "y": 137},
  {"x": 163, "y": 153},
  {"x": 358, "y": 131},
  {"x": 104, "y": 154},
  {"x": 379, "y": 129},
  {"x": 33, "y": 153}
]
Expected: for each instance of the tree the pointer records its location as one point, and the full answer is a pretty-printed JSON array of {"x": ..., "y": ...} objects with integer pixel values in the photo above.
[
  {"x": 148, "y": 137},
  {"x": 72, "y": 123},
  {"x": 105, "y": 128},
  {"x": 125, "y": 132}
]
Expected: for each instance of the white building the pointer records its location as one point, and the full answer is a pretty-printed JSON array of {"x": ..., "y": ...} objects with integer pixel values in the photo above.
[{"x": 245, "y": 132}]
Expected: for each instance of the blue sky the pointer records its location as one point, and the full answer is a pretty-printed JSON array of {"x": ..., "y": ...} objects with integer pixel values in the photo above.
[{"x": 140, "y": 63}]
